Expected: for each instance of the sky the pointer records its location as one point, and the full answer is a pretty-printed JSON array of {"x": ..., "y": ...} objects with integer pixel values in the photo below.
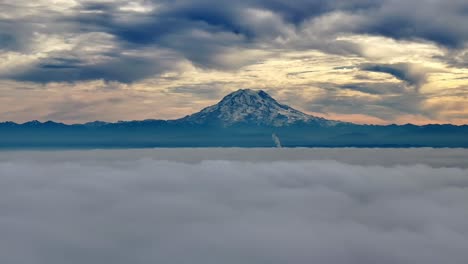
[
  {"x": 363, "y": 61},
  {"x": 139, "y": 206}
]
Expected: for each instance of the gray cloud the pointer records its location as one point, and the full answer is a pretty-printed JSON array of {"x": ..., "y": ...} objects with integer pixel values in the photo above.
[
  {"x": 455, "y": 58},
  {"x": 120, "y": 68},
  {"x": 202, "y": 31},
  {"x": 392, "y": 101},
  {"x": 377, "y": 88},
  {"x": 99, "y": 208},
  {"x": 402, "y": 71},
  {"x": 398, "y": 19},
  {"x": 387, "y": 107}
]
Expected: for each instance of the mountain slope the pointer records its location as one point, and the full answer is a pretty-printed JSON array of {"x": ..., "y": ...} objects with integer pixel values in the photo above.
[{"x": 251, "y": 107}]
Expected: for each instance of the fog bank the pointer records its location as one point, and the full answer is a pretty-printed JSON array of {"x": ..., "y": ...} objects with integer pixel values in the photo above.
[
  {"x": 145, "y": 210},
  {"x": 443, "y": 157}
]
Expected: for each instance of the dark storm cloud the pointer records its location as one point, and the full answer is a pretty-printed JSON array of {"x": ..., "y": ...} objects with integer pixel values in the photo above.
[
  {"x": 124, "y": 207},
  {"x": 202, "y": 31}
]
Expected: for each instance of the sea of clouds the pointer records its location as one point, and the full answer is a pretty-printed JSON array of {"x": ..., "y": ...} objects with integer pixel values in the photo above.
[{"x": 144, "y": 207}]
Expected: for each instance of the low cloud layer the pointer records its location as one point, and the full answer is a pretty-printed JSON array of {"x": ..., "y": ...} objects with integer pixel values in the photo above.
[{"x": 145, "y": 210}]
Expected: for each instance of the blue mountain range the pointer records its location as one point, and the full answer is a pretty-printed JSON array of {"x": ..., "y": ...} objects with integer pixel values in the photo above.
[{"x": 245, "y": 118}]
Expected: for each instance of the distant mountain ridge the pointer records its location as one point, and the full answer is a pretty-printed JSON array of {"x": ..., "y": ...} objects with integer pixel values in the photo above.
[{"x": 244, "y": 118}]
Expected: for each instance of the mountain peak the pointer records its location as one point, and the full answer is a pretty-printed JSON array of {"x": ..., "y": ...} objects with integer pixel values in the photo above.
[
  {"x": 247, "y": 97},
  {"x": 247, "y": 106},
  {"x": 247, "y": 92},
  {"x": 33, "y": 123}
]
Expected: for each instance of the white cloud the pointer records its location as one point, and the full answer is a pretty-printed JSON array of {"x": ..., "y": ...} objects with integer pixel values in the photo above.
[{"x": 133, "y": 207}]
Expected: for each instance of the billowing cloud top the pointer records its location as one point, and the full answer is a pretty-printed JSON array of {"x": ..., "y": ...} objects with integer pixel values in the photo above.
[
  {"x": 359, "y": 60},
  {"x": 131, "y": 206}
]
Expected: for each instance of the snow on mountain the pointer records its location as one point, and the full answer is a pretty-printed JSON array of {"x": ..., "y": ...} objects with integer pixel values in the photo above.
[{"x": 253, "y": 107}]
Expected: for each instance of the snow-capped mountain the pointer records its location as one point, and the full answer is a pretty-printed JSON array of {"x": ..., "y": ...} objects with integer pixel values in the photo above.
[{"x": 248, "y": 106}]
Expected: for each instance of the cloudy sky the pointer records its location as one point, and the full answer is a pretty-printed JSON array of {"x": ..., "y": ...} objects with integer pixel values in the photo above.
[{"x": 366, "y": 61}]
